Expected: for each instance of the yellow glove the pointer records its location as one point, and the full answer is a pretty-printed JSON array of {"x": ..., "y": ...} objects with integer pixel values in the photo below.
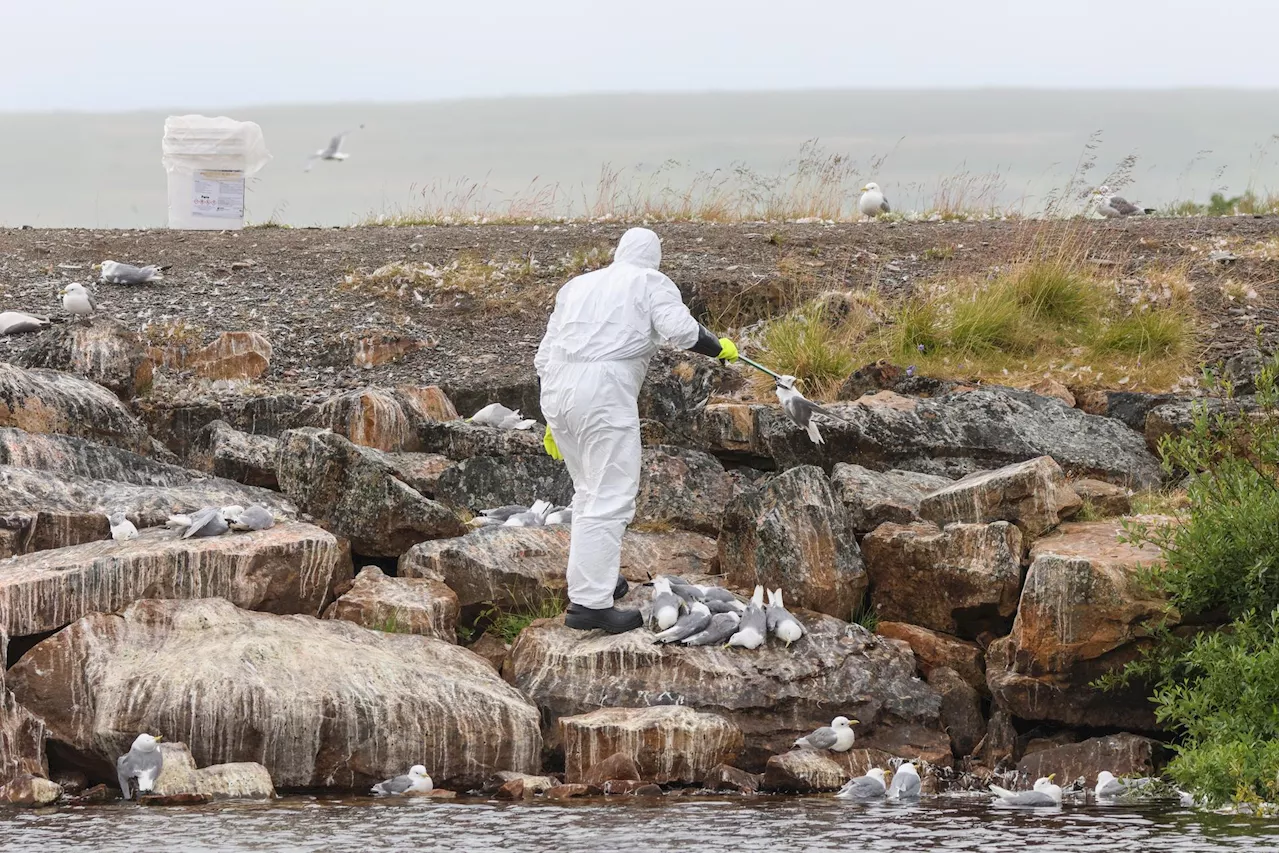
[
  {"x": 549, "y": 444},
  {"x": 728, "y": 352}
]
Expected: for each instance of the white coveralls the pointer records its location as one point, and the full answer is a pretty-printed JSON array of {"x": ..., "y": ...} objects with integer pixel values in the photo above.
[{"x": 605, "y": 327}]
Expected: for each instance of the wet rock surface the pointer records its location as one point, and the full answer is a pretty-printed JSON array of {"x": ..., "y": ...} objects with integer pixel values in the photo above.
[
  {"x": 30, "y": 791},
  {"x": 50, "y": 401},
  {"x": 793, "y": 533},
  {"x": 1033, "y": 495},
  {"x": 179, "y": 775},
  {"x": 337, "y": 705},
  {"x": 667, "y": 743},
  {"x": 935, "y": 649},
  {"x": 1122, "y": 754},
  {"x": 398, "y": 605},
  {"x": 961, "y": 710}
]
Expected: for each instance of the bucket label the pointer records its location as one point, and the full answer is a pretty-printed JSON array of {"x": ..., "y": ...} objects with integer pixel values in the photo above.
[{"x": 218, "y": 193}]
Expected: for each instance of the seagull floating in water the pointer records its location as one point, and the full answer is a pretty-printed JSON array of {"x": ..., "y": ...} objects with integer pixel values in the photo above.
[
  {"x": 1109, "y": 787},
  {"x": 1113, "y": 206},
  {"x": 837, "y": 737},
  {"x": 906, "y": 783},
  {"x": 141, "y": 765},
  {"x": 869, "y": 786},
  {"x": 114, "y": 272},
  {"x": 416, "y": 781},
  {"x": 330, "y": 151},
  {"x": 872, "y": 201},
  {"x": 1043, "y": 793}
]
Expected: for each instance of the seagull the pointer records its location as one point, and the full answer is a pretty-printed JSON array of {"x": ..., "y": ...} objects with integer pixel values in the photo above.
[
  {"x": 906, "y": 783},
  {"x": 17, "y": 322},
  {"x": 837, "y": 737},
  {"x": 122, "y": 529},
  {"x": 330, "y": 152},
  {"x": 498, "y": 415},
  {"x": 76, "y": 300},
  {"x": 209, "y": 521},
  {"x": 868, "y": 786},
  {"x": 416, "y": 781},
  {"x": 178, "y": 521},
  {"x": 560, "y": 515},
  {"x": 142, "y": 763},
  {"x": 720, "y": 629},
  {"x": 256, "y": 517},
  {"x": 872, "y": 202},
  {"x": 799, "y": 410},
  {"x": 114, "y": 272},
  {"x": 779, "y": 622},
  {"x": 1109, "y": 786},
  {"x": 696, "y": 620},
  {"x": 1043, "y": 793},
  {"x": 754, "y": 627},
  {"x": 536, "y": 516},
  {"x": 1113, "y": 206},
  {"x": 666, "y": 604}
]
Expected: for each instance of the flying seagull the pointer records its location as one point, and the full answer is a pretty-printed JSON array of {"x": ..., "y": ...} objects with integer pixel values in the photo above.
[
  {"x": 141, "y": 764},
  {"x": 872, "y": 202},
  {"x": 1113, "y": 206},
  {"x": 799, "y": 410},
  {"x": 1043, "y": 793},
  {"x": 330, "y": 152},
  {"x": 416, "y": 781},
  {"x": 114, "y": 272},
  {"x": 837, "y": 737},
  {"x": 869, "y": 786}
]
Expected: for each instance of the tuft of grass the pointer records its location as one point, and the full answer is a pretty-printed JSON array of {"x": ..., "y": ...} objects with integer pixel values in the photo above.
[
  {"x": 939, "y": 253},
  {"x": 808, "y": 346},
  {"x": 865, "y": 615},
  {"x": 918, "y": 328},
  {"x": 1158, "y": 503},
  {"x": 1088, "y": 512},
  {"x": 990, "y": 320},
  {"x": 1159, "y": 332},
  {"x": 508, "y": 623},
  {"x": 1056, "y": 292},
  {"x": 390, "y": 624}
]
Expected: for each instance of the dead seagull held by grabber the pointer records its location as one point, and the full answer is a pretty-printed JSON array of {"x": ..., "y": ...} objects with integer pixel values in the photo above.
[{"x": 800, "y": 411}]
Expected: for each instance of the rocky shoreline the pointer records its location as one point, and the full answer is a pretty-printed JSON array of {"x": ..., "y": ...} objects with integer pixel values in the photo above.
[{"x": 971, "y": 532}]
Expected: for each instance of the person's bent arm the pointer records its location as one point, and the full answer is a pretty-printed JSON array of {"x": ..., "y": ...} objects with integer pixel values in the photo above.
[{"x": 674, "y": 323}]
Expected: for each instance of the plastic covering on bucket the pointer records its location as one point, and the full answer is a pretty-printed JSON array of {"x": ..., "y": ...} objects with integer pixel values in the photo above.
[
  {"x": 208, "y": 160},
  {"x": 187, "y": 137}
]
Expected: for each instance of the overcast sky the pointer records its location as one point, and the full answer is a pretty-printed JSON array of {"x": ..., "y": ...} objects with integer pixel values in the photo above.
[{"x": 132, "y": 54}]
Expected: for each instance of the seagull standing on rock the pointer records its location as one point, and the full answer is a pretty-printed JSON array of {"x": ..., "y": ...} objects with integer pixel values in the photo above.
[
  {"x": 872, "y": 202},
  {"x": 837, "y": 737},
  {"x": 141, "y": 764}
]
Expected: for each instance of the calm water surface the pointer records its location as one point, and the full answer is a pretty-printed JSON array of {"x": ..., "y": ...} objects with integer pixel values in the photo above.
[{"x": 704, "y": 825}]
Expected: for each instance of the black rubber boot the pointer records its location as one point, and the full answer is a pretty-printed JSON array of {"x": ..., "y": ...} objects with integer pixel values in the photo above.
[
  {"x": 610, "y": 619},
  {"x": 621, "y": 589}
]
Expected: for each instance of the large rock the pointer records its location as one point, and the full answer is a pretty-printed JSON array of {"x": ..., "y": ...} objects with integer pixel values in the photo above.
[
  {"x": 952, "y": 435},
  {"x": 352, "y": 490},
  {"x": 668, "y": 743},
  {"x": 30, "y": 791},
  {"x": 1084, "y": 612},
  {"x": 1173, "y": 419},
  {"x": 519, "y": 567},
  {"x": 873, "y": 498},
  {"x": 50, "y": 401},
  {"x": 22, "y": 738},
  {"x": 1033, "y": 495},
  {"x": 961, "y": 580},
  {"x": 676, "y": 388},
  {"x": 773, "y": 694},
  {"x": 1123, "y": 754},
  {"x": 105, "y": 352},
  {"x": 1129, "y": 407},
  {"x": 178, "y": 422},
  {"x": 232, "y": 355},
  {"x": 465, "y": 440},
  {"x": 242, "y": 780},
  {"x": 319, "y": 703},
  {"x": 63, "y": 454},
  {"x": 399, "y": 605},
  {"x": 793, "y": 533},
  {"x": 492, "y": 481},
  {"x": 680, "y": 488},
  {"x": 809, "y": 771},
  {"x": 224, "y": 451},
  {"x": 1105, "y": 499},
  {"x": 961, "y": 710},
  {"x": 382, "y": 418},
  {"x": 290, "y": 568},
  {"x": 934, "y": 649}
]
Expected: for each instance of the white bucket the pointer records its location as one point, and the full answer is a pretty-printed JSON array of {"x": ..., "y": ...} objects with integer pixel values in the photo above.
[{"x": 207, "y": 160}]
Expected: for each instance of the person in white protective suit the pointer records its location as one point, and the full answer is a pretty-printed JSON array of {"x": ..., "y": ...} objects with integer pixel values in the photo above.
[{"x": 605, "y": 327}]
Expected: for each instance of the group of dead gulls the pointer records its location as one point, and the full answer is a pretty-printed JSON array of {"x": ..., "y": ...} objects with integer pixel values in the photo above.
[
  {"x": 204, "y": 522},
  {"x": 697, "y": 615}
]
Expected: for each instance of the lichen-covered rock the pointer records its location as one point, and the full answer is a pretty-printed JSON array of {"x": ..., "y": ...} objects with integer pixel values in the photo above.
[
  {"x": 465, "y": 440},
  {"x": 803, "y": 771},
  {"x": 382, "y": 418},
  {"x": 232, "y": 355},
  {"x": 50, "y": 401},
  {"x": 1128, "y": 407},
  {"x": 1084, "y": 612},
  {"x": 1106, "y": 499},
  {"x": 244, "y": 780},
  {"x": 227, "y": 452},
  {"x": 485, "y": 482},
  {"x": 1173, "y": 419},
  {"x": 668, "y": 743},
  {"x": 729, "y": 431},
  {"x": 873, "y": 498},
  {"x": 934, "y": 649},
  {"x": 105, "y": 352},
  {"x": 420, "y": 470},
  {"x": 290, "y": 568},
  {"x": 177, "y": 423},
  {"x": 319, "y": 703},
  {"x": 1122, "y": 754},
  {"x": 30, "y": 791},
  {"x": 961, "y": 710},
  {"x": 1033, "y": 495},
  {"x": 961, "y": 580},
  {"x": 960, "y": 433},
  {"x": 352, "y": 490},
  {"x": 676, "y": 388},
  {"x": 680, "y": 488},
  {"x": 793, "y": 533},
  {"x": 398, "y": 605},
  {"x": 518, "y": 567},
  {"x": 772, "y": 694}
]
